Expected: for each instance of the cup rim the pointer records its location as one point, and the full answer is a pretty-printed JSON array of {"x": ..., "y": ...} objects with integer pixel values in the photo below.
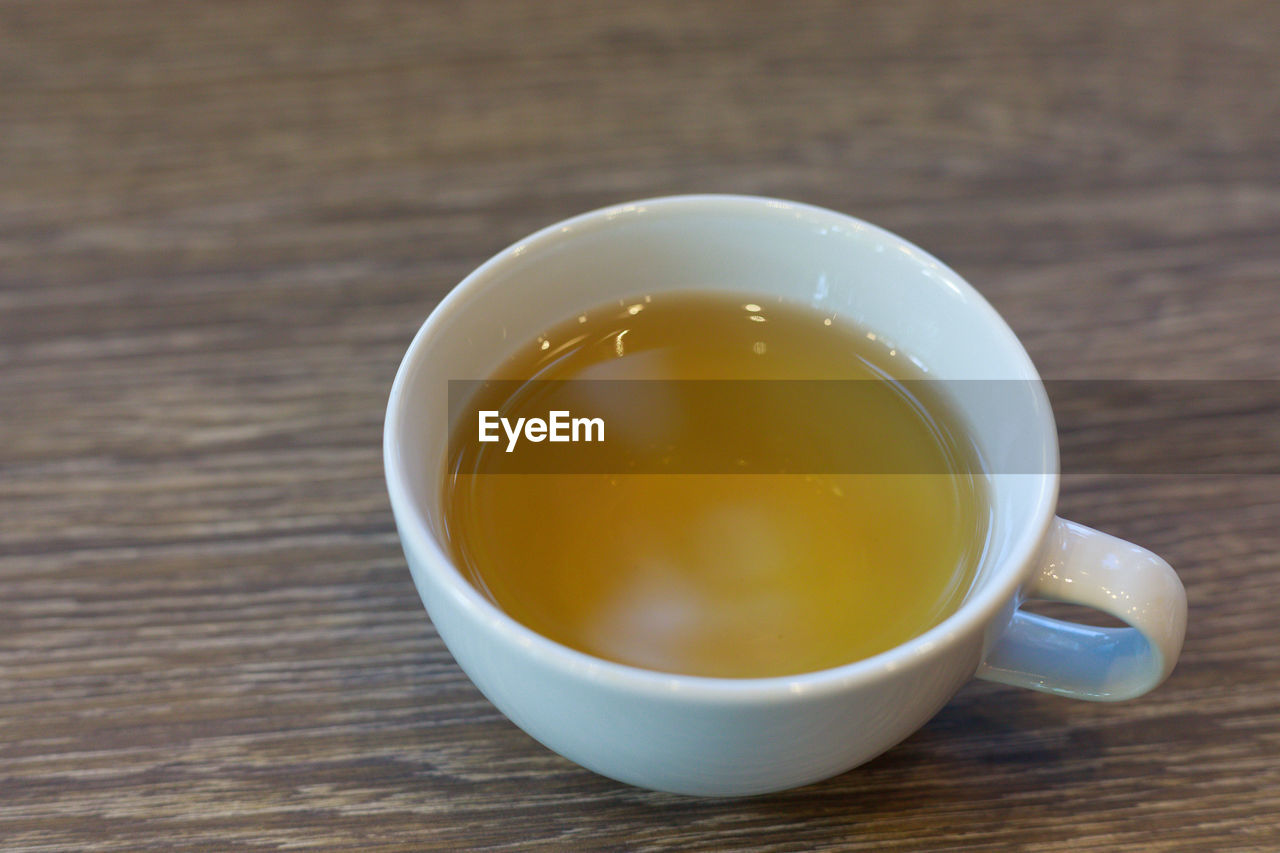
[{"x": 973, "y": 614}]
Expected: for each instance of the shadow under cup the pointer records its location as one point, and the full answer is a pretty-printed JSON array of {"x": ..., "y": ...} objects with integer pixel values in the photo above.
[{"x": 638, "y": 726}]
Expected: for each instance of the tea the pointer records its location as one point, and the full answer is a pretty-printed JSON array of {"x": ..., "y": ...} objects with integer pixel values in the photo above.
[{"x": 723, "y": 574}]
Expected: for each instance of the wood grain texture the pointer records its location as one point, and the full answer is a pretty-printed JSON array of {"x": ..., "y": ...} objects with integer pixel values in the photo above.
[{"x": 221, "y": 223}]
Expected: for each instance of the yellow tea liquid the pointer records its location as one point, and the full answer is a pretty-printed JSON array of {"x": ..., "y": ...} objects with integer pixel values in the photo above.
[{"x": 728, "y": 574}]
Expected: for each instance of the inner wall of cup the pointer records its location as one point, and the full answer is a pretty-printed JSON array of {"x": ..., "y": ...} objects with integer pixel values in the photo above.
[{"x": 808, "y": 256}]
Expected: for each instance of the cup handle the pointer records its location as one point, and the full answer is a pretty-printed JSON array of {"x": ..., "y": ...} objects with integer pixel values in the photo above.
[{"x": 1084, "y": 566}]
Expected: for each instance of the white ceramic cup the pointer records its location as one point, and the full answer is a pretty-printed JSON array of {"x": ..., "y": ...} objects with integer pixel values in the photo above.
[{"x": 715, "y": 736}]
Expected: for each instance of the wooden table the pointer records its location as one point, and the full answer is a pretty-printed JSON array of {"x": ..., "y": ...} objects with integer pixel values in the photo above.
[{"x": 221, "y": 223}]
